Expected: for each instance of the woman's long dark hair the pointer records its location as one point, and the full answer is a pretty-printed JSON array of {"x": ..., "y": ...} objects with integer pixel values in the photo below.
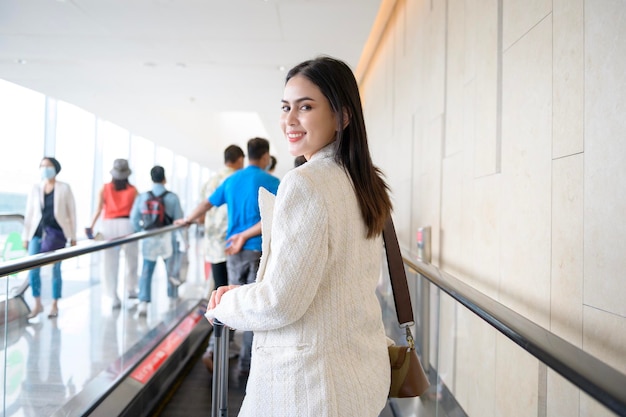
[
  {"x": 120, "y": 184},
  {"x": 336, "y": 81}
]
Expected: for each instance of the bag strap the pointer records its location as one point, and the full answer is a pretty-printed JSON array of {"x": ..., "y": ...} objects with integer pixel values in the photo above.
[{"x": 399, "y": 285}]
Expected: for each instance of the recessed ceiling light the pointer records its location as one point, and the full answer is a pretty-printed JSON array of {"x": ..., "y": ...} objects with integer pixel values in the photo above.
[
  {"x": 281, "y": 68},
  {"x": 20, "y": 61},
  {"x": 181, "y": 65}
]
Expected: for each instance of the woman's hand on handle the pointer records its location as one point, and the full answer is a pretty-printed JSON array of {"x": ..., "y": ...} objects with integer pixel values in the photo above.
[{"x": 216, "y": 297}]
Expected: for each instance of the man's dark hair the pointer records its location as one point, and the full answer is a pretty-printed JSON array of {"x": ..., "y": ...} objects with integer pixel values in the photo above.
[
  {"x": 232, "y": 153},
  {"x": 257, "y": 147},
  {"x": 158, "y": 174}
]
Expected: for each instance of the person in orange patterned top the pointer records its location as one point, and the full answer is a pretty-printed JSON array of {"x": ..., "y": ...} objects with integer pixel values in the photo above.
[{"x": 115, "y": 201}]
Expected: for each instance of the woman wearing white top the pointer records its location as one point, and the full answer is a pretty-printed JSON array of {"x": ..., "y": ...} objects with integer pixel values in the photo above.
[
  {"x": 319, "y": 344},
  {"x": 50, "y": 203}
]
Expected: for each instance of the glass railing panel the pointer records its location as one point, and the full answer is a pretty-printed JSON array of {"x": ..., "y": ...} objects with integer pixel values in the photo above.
[
  {"x": 11, "y": 247},
  {"x": 45, "y": 362}
]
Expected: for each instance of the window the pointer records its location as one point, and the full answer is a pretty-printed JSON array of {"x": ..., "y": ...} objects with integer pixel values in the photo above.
[{"x": 75, "y": 149}]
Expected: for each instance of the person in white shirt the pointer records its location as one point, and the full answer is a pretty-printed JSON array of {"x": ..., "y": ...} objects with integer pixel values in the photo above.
[{"x": 215, "y": 228}]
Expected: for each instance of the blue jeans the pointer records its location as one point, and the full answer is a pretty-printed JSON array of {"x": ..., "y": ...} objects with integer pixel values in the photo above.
[
  {"x": 145, "y": 281},
  {"x": 34, "y": 275}
]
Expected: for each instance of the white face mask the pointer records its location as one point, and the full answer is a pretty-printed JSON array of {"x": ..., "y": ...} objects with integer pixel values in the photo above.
[{"x": 47, "y": 172}]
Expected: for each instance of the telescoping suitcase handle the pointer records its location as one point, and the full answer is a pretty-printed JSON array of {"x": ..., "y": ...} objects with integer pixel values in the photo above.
[{"x": 219, "y": 406}]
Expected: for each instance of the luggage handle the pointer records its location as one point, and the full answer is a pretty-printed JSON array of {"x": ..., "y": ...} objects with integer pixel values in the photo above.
[{"x": 219, "y": 400}]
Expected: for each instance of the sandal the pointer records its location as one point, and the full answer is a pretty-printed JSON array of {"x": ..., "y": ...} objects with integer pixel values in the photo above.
[
  {"x": 35, "y": 312},
  {"x": 54, "y": 313}
]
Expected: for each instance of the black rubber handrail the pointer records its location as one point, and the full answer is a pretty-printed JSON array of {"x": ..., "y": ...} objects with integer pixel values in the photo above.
[
  {"x": 602, "y": 382},
  {"x": 40, "y": 259},
  {"x": 12, "y": 216}
]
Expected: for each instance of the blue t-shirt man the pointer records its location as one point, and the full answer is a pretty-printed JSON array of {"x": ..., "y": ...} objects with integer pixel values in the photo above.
[{"x": 240, "y": 192}]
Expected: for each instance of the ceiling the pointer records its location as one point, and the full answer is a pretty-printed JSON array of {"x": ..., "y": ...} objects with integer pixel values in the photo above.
[{"x": 192, "y": 75}]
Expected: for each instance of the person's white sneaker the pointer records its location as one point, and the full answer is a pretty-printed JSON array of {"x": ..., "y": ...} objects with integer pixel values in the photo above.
[{"x": 142, "y": 310}]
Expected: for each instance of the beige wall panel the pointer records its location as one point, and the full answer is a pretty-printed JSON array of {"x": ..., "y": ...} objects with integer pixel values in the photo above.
[
  {"x": 526, "y": 173},
  {"x": 568, "y": 94},
  {"x": 418, "y": 218},
  {"x": 476, "y": 355},
  {"x": 589, "y": 407},
  {"x": 401, "y": 126},
  {"x": 563, "y": 397},
  {"x": 484, "y": 242},
  {"x": 417, "y": 49},
  {"x": 517, "y": 383},
  {"x": 486, "y": 145},
  {"x": 376, "y": 106},
  {"x": 520, "y": 16},
  {"x": 427, "y": 174},
  {"x": 405, "y": 69},
  {"x": 377, "y": 99},
  {"x": 605, "y": 337},
  {"x": 566, "y": 315},
  {"x": 523, "y": 194},
  {"x": 452, "y": 213},
  {"x": 434, "y": 57},
  {"x": 466, "y": 261},
  {"x": 455, "y": 79},
  {"x": 472, "y": 12},
  {"x": 605, "y": 153},
  {"x": 398, "y": 174},
  {"x": 481, "y": 210},
  {"x": 388, "y": 92}
]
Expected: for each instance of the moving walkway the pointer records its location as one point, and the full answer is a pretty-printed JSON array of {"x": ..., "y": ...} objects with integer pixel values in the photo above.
[{"x": 94, "y": 361}]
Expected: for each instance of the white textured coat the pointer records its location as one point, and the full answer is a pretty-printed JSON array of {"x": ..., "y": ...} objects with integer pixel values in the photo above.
[
  {"x": 64, "y": 210},
  {"x": 319, "y": 345}
]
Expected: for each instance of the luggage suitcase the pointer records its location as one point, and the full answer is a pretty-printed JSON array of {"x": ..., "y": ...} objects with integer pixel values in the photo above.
[{"x": 219, "y": 400}]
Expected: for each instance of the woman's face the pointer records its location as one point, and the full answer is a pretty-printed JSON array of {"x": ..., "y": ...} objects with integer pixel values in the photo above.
[
  {"x": 307, "y": 119},
  {"x": 46, "y": 169}
]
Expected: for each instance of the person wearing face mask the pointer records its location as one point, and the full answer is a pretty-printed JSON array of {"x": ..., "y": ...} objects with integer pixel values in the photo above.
[{"x": 50, "y": 209}]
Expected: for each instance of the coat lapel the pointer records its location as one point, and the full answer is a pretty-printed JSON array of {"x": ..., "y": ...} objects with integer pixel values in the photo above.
[{"x": 266, "y": 207}]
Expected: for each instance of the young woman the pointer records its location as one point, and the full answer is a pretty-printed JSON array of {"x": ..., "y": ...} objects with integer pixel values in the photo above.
[
  {"x": 50, "y": 208},
  {"x": 115, "y": 201},
  {"x": 319, "y": 343}
]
